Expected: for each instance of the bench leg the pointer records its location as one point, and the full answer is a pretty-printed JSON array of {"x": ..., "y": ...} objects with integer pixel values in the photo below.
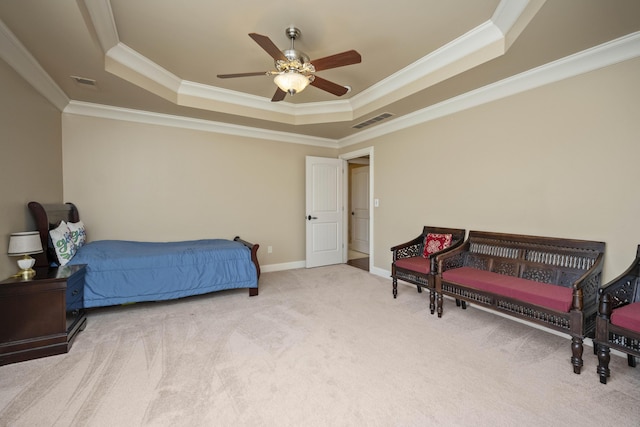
[
  {"x": 432, "y": 300},
  {"x": 395, "y": 287},
  {"x": 576, "y": 350},
  {"x": 603, "y": 363},
  {"x": 460, "y": 303},
  {"x": 419, "y": 289},
  {"x": 631, "y": 360},
  {"x": 439, "y": 309}
]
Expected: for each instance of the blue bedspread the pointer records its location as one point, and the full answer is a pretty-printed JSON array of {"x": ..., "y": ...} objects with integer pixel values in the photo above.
[{"x": 121, "y": 272}]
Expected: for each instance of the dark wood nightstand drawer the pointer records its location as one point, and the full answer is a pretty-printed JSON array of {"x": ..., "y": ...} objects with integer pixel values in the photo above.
[
  {"x": 75, "y": 291},
  {"x": 34, "y": 320}
]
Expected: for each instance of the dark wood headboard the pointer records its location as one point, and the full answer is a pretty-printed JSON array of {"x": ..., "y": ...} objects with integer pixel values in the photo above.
[{"x": 48, "y": 216}]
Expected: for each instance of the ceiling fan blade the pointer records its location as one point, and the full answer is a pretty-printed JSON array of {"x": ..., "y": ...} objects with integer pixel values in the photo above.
[
  {"x": 230, "y": 76},
  {"x": 328, "y": 86},
  {"x": 279, "y": 95},
  {"x": 338, "y": 60},
  {"x": 266, "y": 43}
]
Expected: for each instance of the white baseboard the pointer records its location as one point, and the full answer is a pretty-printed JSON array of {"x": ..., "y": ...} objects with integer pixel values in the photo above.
[{"x": 283, "y": 266}]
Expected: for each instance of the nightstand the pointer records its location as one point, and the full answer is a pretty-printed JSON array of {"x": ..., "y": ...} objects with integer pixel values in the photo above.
[{"x": 42, "y": 316}]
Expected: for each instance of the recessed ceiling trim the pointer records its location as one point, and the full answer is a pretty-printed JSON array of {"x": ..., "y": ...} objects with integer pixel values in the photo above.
[
  {"x": 104, "y": 23},
  {"x": 511, "y": 19},
  {"x": 475, "y": 47},
  {"x": 128, "y": 64},
  {"x": 622, "y": 49},
  {"x": 138, "y": 116},
  {"x": 206, "y": 97},
  {"x": 607, "y": 54},
  {"x": 18, "y": 57}
]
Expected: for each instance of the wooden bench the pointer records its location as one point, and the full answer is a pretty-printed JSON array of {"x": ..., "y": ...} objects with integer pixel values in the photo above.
[
  {"x": 411, "y": 265},
  {"x": 618, "y": 321},
  {"x": 549, "y": 281}
]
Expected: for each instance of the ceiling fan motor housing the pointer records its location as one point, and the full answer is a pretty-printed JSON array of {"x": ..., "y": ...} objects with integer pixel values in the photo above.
[{"x": 297, "y": 60}]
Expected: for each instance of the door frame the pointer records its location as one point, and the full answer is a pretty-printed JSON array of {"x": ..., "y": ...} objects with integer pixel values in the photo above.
[
  {"x": 346, "y": 194},
  {"x": 358, "y": 245}
]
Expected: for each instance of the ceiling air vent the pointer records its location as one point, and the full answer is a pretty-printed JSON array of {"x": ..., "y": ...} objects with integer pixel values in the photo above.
[
  {"x": 84, "y": 81},
  {"x": 373, "y": 120}
]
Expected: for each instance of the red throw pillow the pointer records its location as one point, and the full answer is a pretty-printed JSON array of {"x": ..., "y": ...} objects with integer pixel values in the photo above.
[{"x": 434, "y": 242}]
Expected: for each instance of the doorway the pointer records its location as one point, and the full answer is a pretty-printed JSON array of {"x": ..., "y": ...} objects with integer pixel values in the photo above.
[{"x": 359, "y": 215}]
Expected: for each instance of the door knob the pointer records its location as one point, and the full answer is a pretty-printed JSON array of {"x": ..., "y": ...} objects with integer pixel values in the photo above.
[{"x": 311, "y": 217}]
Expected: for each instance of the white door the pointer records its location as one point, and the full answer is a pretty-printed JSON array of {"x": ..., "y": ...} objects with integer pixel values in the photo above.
[
  {"x": 324, "y": 214},
  {"x": 360, "y": 209}
]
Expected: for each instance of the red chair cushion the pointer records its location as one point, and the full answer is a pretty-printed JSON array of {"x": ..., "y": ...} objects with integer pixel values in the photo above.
[
  {"x": 553, "y": 297},
  {"x": 627, "y": 317},
  {"x": 416, "y": 263},
  {"x": 434, "y": 242}
]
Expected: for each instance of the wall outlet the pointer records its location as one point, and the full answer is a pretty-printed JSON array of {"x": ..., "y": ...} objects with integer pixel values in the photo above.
[{"x": 269, "y": 249}]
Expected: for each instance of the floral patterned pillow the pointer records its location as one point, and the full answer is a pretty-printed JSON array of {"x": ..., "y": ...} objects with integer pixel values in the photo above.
[
  {"x": 78, "y": 233},
  {"x": 63, "y": 243},
  {"x": 434, "y": 242}
]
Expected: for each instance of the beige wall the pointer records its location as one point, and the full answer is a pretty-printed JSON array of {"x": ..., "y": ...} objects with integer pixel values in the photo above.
[
  {"x": 147, "y": 182},
  {"x": 30, "y": 157},
  {"x": 560, "y": 160}
]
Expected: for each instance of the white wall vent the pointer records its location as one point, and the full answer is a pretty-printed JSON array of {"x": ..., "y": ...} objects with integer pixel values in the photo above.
[
  {"x": 373, "y": 120},
  {"x": 84, "y": 81}
]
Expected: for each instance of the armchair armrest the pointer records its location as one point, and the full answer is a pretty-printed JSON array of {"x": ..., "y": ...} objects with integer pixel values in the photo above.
[
  {"x": 408, "y": 249},
  {"x": 452, "y": 258},
  {"x": 623, "y": 289},
  {"x": 585, "y": 288}
]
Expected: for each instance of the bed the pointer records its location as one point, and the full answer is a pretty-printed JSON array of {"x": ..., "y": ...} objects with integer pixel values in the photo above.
[{"x": 121, "y": 272}]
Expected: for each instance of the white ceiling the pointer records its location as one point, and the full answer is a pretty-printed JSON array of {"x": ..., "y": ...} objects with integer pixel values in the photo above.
[{"x": 162, "y": 56}]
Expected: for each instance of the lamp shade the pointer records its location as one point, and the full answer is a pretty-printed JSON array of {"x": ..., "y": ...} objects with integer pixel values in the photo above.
[
  {"x": 291, "y": 82},
  {"x": 24, "y": 243}
]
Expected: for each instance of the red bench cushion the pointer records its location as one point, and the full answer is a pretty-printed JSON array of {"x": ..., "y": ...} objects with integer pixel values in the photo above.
[
  {"x": 627, "y": 317},
  {"x": 415, "y": 263},
  {"x": 554, "y": 297}
]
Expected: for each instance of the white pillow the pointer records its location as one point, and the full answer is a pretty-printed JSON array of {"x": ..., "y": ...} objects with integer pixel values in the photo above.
[
  {"x": 78, "y": 233},
  {"x": 62, "y": 243}
]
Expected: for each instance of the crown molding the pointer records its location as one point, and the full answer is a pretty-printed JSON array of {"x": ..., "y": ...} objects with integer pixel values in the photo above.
[
  {"x": 477, "y": 46},
  {"x": 482, "y": 43},
  {"x": 146, "y": 117},
  {"x": 604, "y": 55},
  {"x": 607, "y": 54},
  {"x": 18, "y": 57}
]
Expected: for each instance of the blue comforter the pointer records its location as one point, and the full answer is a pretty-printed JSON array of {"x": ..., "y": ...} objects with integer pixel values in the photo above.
[{"x": 121, "y": 272}]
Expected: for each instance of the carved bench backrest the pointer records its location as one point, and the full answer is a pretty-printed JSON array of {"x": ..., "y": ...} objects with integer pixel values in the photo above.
[{"x": 542, "y": 259}]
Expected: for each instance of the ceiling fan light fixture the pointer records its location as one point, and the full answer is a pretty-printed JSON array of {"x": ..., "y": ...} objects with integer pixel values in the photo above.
[{"x": 291, "y": 82}]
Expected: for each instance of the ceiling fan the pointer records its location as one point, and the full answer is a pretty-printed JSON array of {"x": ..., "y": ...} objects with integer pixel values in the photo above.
[{"x": 294, "y": 71}]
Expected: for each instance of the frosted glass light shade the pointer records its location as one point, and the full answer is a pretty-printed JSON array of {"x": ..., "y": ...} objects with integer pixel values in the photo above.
[{"x": 291, "y": 82}]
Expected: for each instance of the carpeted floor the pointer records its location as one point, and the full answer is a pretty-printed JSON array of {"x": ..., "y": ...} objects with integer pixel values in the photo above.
[{"x": 327, "y": 346}]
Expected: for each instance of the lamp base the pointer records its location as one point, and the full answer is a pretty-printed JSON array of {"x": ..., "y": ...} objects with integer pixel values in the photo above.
[{"x": 26, "y": 272}]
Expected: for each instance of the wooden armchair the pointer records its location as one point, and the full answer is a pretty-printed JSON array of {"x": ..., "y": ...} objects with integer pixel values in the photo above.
[
  {"x": 618, "y": 321},
  {"x": 413, "y": 264}
]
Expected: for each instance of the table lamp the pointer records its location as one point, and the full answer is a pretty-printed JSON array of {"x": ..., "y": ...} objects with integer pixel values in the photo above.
[{"x": 24, "y": 244}]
